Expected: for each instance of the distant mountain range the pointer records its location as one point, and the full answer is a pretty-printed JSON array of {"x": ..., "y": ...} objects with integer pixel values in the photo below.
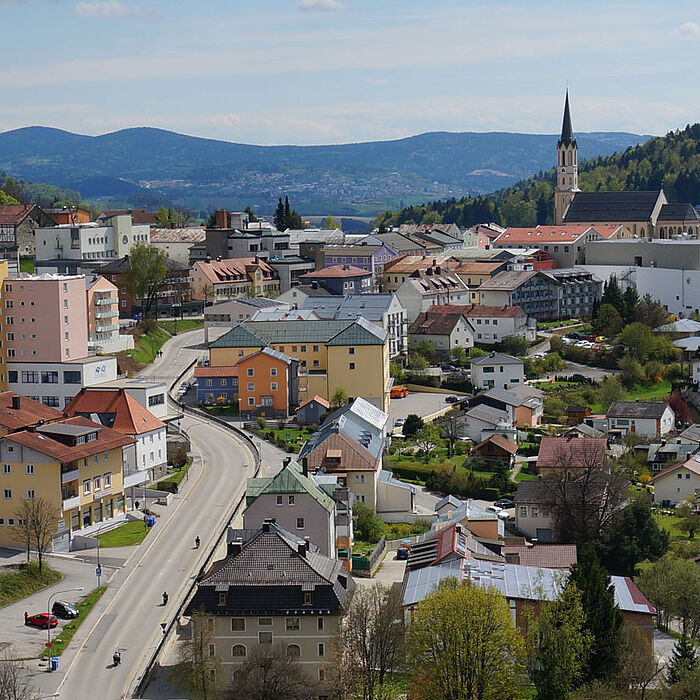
[{"x": 145, "y": 166}]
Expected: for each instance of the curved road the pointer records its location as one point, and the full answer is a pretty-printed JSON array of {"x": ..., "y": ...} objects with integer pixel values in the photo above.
[{"x": 131, "y": 621}]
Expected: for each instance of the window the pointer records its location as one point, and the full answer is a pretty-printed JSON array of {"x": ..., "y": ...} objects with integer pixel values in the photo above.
[
  {"x": 30, "y": 377},
  {"x": 290, "y": 500},
  {"x": 238, "y": 650},
  {"x": 71, "y": 377},
  {"x": 251, "y": 401},
  {"x": 6, "y": 468},
  {"x": 314, "y": 348},
  {"x": 291, "y": 623},
  {"x": 212, "y": 650},
  {"x": 273, "y": 386},
  {"x": 10, "y": 336},
  {"x": 534, "y": 512},
  {"x": 293, "y": 651},
  {"x": 264, "y": 622},
  {"x": 97, "y": 483},
  {"x": 250, "y": 372},
  {"x": 351, "y": 365},
  {"x": 319, "y": 623},
  {"x": 300, "y": 523},
  {"x": 523, "y": 511},
  {"x": 156, "y": 400},
  {"x": 29, "y": 468},
  {"x": 237, "y": 623},
  {"x": 303, "y": 348},
  {"x": 49, "y": 377},
  {"x": 251, "y": 386},
  {"x": 279, "y": 500},
  {"x": 359, "y": 478},
  {"x": 317, "y": 363},
  {"x": 307, "y": 597},
  {"x": 322, "y": 677},
  {"x": 351, "y": 351},
  {"x": 321, "y": 649},
  {"x": 65, "y": 303},
  {"x": 273, "y": 371},
  {"x": 87, "y": 486},
  {"x": 210, "y": 382},
  {"x": 108, "y": 479},
  {"x": 7, "y": 494},
  {"x": 30, "y": 494},
  {"x": 264, "y": 637}
]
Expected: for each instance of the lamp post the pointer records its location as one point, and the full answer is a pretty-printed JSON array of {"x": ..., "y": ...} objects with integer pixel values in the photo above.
[
  {"x": 98, "y": 570},
  {"x": 48, "y": 612}
]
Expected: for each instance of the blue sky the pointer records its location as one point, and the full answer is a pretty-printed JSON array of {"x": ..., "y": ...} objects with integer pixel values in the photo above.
[{"x": 332, "y": 71}]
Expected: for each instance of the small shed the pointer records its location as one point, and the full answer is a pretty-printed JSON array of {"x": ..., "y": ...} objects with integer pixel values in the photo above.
[{"x": 310, "y": 411}]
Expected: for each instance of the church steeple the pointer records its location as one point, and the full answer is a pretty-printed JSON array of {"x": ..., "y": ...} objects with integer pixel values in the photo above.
[
  {"x": 567, "y": 167},
  {"x": 567, "y": 133}
]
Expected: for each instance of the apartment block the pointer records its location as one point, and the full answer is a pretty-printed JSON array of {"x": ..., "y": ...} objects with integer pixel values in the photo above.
[{"x": 102, "y": 300}]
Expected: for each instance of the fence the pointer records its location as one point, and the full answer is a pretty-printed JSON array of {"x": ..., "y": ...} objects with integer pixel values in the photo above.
[{"x": 364, "y": 565}]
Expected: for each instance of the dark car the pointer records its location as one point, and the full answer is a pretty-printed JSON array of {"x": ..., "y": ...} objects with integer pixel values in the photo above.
[
  {"x": 43, "y": 620},
  {"x": 451, "y": 399},
  {"x": 504, "y": 503},
  {"x": 64, "y": 610},
  {"x": 402, "y": 553},
  {"x": 575, "y": 336}
]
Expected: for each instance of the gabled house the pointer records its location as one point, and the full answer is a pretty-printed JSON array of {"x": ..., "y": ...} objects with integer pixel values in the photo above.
[
  {"x": 273, "y": 588},
  {"x": 496, "y": 450},
  {"x": 674, "y": 484},
  {"x": 497, "y": 370},
  {"x": 17, "y": 225},
  {"x": 426, "y": 287},
  {"x": 480, "y": 422},
  {"x": 647, "y": 418},
  {"x": 443, "y": 331},
  {"x": 18, "y": 412},
  {"x": 220, "y": 280},
  {"x": 492, "y": 324},
  {"x": 340, "y": 279},
  {"x": 309, "y": 412},
  {"x": 523, "y": 403},
  {"x": 571, "y": 455}
]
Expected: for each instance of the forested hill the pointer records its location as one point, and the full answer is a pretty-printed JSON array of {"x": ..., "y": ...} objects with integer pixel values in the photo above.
[{"x": 671, "y": 162}]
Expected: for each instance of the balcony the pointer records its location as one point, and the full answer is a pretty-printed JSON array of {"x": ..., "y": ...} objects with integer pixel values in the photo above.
[
  {"x": 106, "y": 300},
  {"x": 107, "y": 314},
  {"x": 70, "y": 503},
  {"x": 108, "y": 329},
  {"x": 71, "y": 475},
  {"x": 135, "y": 478}
]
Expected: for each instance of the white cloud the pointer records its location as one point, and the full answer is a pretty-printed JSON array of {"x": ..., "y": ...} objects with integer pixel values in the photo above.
[
  {"x": 690, "y": 29},
  {"x": 319, "y": 5},
  {"x": 108, "y": 8}
]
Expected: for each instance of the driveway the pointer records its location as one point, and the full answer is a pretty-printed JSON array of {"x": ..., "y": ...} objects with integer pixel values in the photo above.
[{"x": 422, "y": 404}]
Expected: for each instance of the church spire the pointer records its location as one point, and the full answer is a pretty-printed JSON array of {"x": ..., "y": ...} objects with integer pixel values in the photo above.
[{"x": 567, "y": 133}]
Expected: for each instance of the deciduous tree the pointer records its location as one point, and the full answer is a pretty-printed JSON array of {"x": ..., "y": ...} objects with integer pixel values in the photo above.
[
  {"x": 451, "y": 429},
  {"x": 198, "y": 672},
  {"x": 37, "y": 519},
  {"x": 427, "y": 439},
  {"x": 340, "y": 397},
  {"x": 146, "y": 275}
]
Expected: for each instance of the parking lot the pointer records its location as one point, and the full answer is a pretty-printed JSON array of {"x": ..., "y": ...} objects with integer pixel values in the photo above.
[{"x": 422, "y": 404}]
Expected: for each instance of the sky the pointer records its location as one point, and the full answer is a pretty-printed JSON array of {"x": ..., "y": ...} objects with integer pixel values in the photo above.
[{"x": 339, "y": 71}]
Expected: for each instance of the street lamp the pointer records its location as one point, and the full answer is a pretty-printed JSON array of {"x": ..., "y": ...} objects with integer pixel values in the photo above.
[
  {"x": 48, "y": 612},
  {"x": 98, "y": 571}
]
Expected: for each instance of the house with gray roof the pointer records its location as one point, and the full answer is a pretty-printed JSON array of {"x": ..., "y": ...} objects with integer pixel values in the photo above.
[
  {"x": 646, "y": 418},
  {"x": 497, "y": 370},
  {"x": 227, "y": 314},
  {"x": 482, "y": 421},
  {"x": 272, "y": 587}
]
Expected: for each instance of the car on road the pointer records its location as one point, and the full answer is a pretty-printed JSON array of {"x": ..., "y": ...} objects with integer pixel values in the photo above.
[
  {"x": 449, "y": 368},
  {"x": 504, "y": 503},
  {"x": 579, "y": 378},
  {"x": 538, "y": 356},
  {"x": 399, "y": 422},
  {"x": 451, "y": 399},
  {"x": 398, "y": 392},
  {"x": 43, "y": 620},
  {"x": 64, "y": 610}
]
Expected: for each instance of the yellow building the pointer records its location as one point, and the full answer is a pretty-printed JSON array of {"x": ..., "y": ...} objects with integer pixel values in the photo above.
[
  {"x": 74, "y": 464},
  {"x": 397, "y": 271},
  {"x": 347, "y": 354},
  {"x": 3, "y": 350}
]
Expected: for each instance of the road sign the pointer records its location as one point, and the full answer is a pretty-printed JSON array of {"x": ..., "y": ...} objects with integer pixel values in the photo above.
[{"x": 98, "y": 571}]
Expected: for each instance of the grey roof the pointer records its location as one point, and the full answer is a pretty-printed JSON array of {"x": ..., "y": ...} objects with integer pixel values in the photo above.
[
  {"x": 386, "y": 477},
  {"x": 449, "y": 500},
  {"x": 637, "y": 409},
  {"x": 507, "y": 280},
  {"x": 679, "y": 212},
  {"x": 614, "y": 207},
  {"x": 370, "y": 306},
  {"x": 682, "y": 325},
  {"x": 692, "y": 433},
  {"x": 691, "y": 344},
  {"x": 503, "y": 395},
  {"x": 586, "y": 430},
  {"x": 487, "y": 413},
  {"x": 567, "y": 132},
  {"x": 569, "y": 275},
  {"x": 67, "y": 429},
  {"x": 496, "y": 358},
  {"x": 339, "y": 332},
  {"x": 397, "y": 241}
]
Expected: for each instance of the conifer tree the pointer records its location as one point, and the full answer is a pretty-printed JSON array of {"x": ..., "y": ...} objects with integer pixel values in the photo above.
[
  {"x": 682, "y": 661},
  {"x": 279, "y": 219}
]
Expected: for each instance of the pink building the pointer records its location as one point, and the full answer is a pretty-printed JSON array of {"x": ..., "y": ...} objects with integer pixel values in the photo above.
[
  {"x": 45, "y": 318},
  {"x": 102, "y": 299}
]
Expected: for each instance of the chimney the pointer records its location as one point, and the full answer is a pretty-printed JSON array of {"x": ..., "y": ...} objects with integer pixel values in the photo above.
[
  {"x": 346, "y": 267},
  {"x": 286, "y": 461},
  {"x": 221, "y": 218},
  {"x": 256, "y": 260},
  {"x": 208, "y": 259},
  {"x": 15, "y": 402},
  {"x": 438, "y": 270},
  {"x": 314, "y": 285},
  {"x": 235, "y": 547},
  {"x": 301, "y": 549},
  {"x": 267, "y": 525}
]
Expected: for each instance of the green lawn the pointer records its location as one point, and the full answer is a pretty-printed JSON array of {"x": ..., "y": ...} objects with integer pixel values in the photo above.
[
  {"x": 643, "y": 392},
  {"x": 180, "y": 474},
  {"x": 148, "y": 345},
  {"x": 670, "y": 524},
  {"x": 26, "y": 265},
  {"x": 186, "y": 324},
  {"x": 523, "y": 476},
  {"x": 133, "y": 532},
  {"x": 414, "y": 463},
  {"x": 66, "y": 634},
  {"x": 16, "y": 584}
]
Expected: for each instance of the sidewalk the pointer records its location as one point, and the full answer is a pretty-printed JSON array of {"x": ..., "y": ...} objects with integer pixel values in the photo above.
[{"x": 130, "y": 557}]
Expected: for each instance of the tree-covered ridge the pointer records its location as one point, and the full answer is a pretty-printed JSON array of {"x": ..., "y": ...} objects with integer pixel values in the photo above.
[
  {"x": 671, "y": 162},
  {"x": 35, "y": 192}
]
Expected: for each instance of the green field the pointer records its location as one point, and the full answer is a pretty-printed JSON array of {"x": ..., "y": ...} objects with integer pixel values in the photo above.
[
  {"x": 148, "y": 344},
  {"x": 133, "y": 532},
  {"x": 70, "y": 628},
  {"x": 670, "y": 524},
  {"x": 186, "y": 324},
  {"x": 16, "y": 584},
  {"x": 643, "y": 392}
]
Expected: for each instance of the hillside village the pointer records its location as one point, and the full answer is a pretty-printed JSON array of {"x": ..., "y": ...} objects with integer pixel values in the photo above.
[{"x": 488, "y": 421}]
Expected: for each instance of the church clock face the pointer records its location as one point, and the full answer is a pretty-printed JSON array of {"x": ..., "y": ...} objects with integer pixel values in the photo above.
[
  {"x": 563, "y": 170},
  {"x": 125, "y": 240}
]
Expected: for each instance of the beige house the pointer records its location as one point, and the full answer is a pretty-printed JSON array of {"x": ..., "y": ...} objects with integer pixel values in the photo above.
[
  {"x": 675, "y": 484},
  {"x": 272, "y": 588},
  {"x": 220, "y": 280}
]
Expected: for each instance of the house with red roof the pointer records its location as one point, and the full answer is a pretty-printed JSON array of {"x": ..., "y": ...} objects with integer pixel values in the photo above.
[
  {"x": 674, "y": 484},
  {"x": 492, "y": 324},
  {"x": 340, "y": 279},
  {"x": 17, "y": 224},
  {"x": 221, "y": 280},
  {"x": 565, "y": 244},
  {"x": 570, "y": 454},
  {"x": 443, "y": 331},
  {"x": 310, "y": 411},
  {"x": 118, "y": 410}
]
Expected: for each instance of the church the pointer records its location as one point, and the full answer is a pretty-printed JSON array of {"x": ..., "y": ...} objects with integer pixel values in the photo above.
[{"x": 645, "y": 214}]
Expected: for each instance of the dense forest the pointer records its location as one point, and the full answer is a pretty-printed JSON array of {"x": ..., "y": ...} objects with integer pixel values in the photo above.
[{"x": 671, "y": 162}]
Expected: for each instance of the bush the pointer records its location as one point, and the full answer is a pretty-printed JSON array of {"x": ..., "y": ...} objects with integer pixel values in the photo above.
[
  {"x": 412, "y": 425},
  {"x": 262, "y": 423},
  {"x": 369, "y": 526},
  {"x": 179, "y": 458}
]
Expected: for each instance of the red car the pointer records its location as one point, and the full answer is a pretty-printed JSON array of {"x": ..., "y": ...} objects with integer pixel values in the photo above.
[{"x": 43, "y": 620}]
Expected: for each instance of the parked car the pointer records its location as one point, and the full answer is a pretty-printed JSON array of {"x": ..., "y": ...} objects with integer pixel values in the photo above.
[
  {"x": 504, "y": 503},
  {"x": 451, "y": 399},
  {"x": 398, "y": 392},
  {"x": 43, "y": 620},
  {"x": 399, "y": 422},
  {"x": 579, "y": 378},
  {"x": 402, "y": 553},
  {"x": 449, "y": 368},
  {"x": 575, "y": 336},
  {"x": 64, "y": 610}
]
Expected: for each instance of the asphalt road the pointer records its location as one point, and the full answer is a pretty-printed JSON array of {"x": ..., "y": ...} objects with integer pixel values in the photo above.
[{"x": 132, "y": 620}]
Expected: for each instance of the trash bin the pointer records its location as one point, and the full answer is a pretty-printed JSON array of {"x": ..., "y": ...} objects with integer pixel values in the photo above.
[
  {"x": 54, "y": 663},
  {"x": 151, "y": 520}
]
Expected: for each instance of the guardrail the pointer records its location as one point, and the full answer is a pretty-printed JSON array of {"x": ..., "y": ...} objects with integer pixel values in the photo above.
[{"x": 146, "y": 676}]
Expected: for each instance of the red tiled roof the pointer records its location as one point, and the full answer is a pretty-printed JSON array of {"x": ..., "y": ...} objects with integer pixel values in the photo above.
[
  {"x": 223, "y": 371},
  {"x": 499, "y": 441},
  {"x": 429, "y": 323},
  {"x": 217, "y": 271},
  {"x": 478, "y": 311},
  {"x": 571, "y": 452},
  {"x": 12, "y": 214},
  {"x": 317, "y": 399},
  {"x": 336, "y": 271},
  {"x": 547, "y": 556},
  {"x": 691, "y": 464},
  {"x": 107, "y": 439},
  {"x": 30, "y": 412},
  {"x": 130, "y": 417},
  {"x": 478, "y": 268},
  {"x": 553, "y": 234}
]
